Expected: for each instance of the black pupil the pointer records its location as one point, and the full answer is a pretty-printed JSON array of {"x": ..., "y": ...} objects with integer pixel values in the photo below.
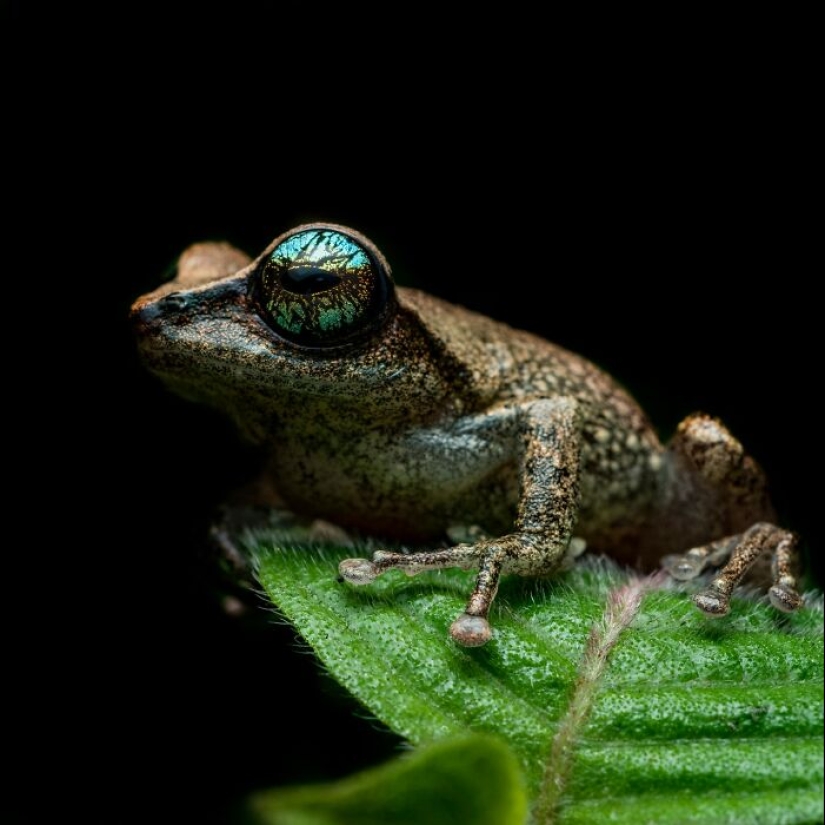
[{"x": 305, "y": 280}]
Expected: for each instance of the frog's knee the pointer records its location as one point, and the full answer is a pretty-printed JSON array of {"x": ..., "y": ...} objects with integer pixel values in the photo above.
[
  {"x": 203, "y": 263},
  {"x": 709, "y": 452},
  {"x": 709, "y": 447}
]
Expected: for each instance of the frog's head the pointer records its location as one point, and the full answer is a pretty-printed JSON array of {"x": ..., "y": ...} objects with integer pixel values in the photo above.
[{"x": 313, "y": 324}]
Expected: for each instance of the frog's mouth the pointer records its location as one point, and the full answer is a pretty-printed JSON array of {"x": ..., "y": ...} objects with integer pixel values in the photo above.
[{"x": 209, "y": 341}]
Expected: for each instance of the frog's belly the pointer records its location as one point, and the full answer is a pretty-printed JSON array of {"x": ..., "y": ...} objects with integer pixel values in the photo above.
[
  {"x": 414, "y": 486},
  {"x": 412, "y": 489}
]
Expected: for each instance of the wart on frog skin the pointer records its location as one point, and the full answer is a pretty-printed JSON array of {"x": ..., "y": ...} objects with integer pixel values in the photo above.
[{"x": 390, "y": 412}]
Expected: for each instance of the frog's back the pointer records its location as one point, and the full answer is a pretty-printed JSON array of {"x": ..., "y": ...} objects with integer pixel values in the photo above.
[{"x": 508, "y": 365}]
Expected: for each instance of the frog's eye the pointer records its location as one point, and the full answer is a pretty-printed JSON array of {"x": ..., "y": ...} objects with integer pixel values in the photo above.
[{"x": 322, "y": 287}]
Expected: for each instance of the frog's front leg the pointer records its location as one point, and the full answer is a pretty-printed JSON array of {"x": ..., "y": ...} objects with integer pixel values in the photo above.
[{"x": 547, "y": 509}]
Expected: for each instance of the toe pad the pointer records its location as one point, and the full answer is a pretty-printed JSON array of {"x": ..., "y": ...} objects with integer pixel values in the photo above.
[{"x": 471, "y": 631}]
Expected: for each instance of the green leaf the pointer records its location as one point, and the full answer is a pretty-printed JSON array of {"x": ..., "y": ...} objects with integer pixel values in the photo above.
[
  {"x": 472, "y": 778},
  {"x": 621, "y": 701}
]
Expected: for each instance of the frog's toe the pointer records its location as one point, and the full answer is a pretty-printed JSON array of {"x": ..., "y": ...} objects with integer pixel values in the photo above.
[
  {"x": 358, "y": 571},
  {"x": 712, "y": 603},
  {"x": 471, "y": 631},
  {"x": 785, "y": 597},
  {"x": 684, "y": 567}
]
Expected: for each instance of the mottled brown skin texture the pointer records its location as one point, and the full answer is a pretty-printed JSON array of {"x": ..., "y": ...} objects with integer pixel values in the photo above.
[{"x": 445, "y": 419}]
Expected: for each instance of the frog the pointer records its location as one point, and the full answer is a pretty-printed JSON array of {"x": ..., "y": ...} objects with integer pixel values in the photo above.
[{"x": 453, "y": 439}]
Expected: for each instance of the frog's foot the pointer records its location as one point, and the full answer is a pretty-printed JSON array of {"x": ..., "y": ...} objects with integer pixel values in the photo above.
[
  {"x": 520, "y": 553},
  {"x": 742, "y": 551},
  {"x": 471, "y": 628}
]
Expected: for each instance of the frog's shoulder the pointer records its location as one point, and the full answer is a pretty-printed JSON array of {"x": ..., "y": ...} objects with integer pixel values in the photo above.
[
  {"x": 508, "y": 363},
  {"x": 454, "y": 324},
  {"x": 463, "y": 329},
  {"x": 492, "y": 354}
]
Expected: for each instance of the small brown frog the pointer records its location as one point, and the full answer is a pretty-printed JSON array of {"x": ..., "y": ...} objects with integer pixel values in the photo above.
[{"x": 393, "y": 413}]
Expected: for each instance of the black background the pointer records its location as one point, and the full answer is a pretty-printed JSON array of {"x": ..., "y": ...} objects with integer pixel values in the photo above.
[{"x": 675, "y": 263}]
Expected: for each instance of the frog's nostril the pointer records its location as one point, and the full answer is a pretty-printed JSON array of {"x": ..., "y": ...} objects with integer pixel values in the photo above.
[
  {"x": 174, "y": 301},
  {"x": 149, "y": 314}
]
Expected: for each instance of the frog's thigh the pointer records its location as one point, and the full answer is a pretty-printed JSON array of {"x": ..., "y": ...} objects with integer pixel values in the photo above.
[
  {"x": 549, "y": 451},
  {"x": 711, "y": 452}
]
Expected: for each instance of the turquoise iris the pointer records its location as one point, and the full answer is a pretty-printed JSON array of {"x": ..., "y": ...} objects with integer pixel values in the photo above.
[
  {"x": 324, "y": 248},
  {"x": 321, "y": 287}
]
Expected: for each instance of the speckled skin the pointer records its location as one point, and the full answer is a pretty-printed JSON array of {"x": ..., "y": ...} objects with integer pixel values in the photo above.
[{"x": 445, "y": 419}]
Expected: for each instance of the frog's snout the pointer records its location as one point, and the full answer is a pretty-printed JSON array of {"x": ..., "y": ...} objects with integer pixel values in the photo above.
[
  {"x": 149, "y": 314},
  {"x": 144, "y": 316}
]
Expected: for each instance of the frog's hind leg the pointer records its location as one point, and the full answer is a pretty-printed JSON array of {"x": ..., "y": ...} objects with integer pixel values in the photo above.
[
  {"x": 741, "y": 552},
  {"x": 723, "y": 491}
]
